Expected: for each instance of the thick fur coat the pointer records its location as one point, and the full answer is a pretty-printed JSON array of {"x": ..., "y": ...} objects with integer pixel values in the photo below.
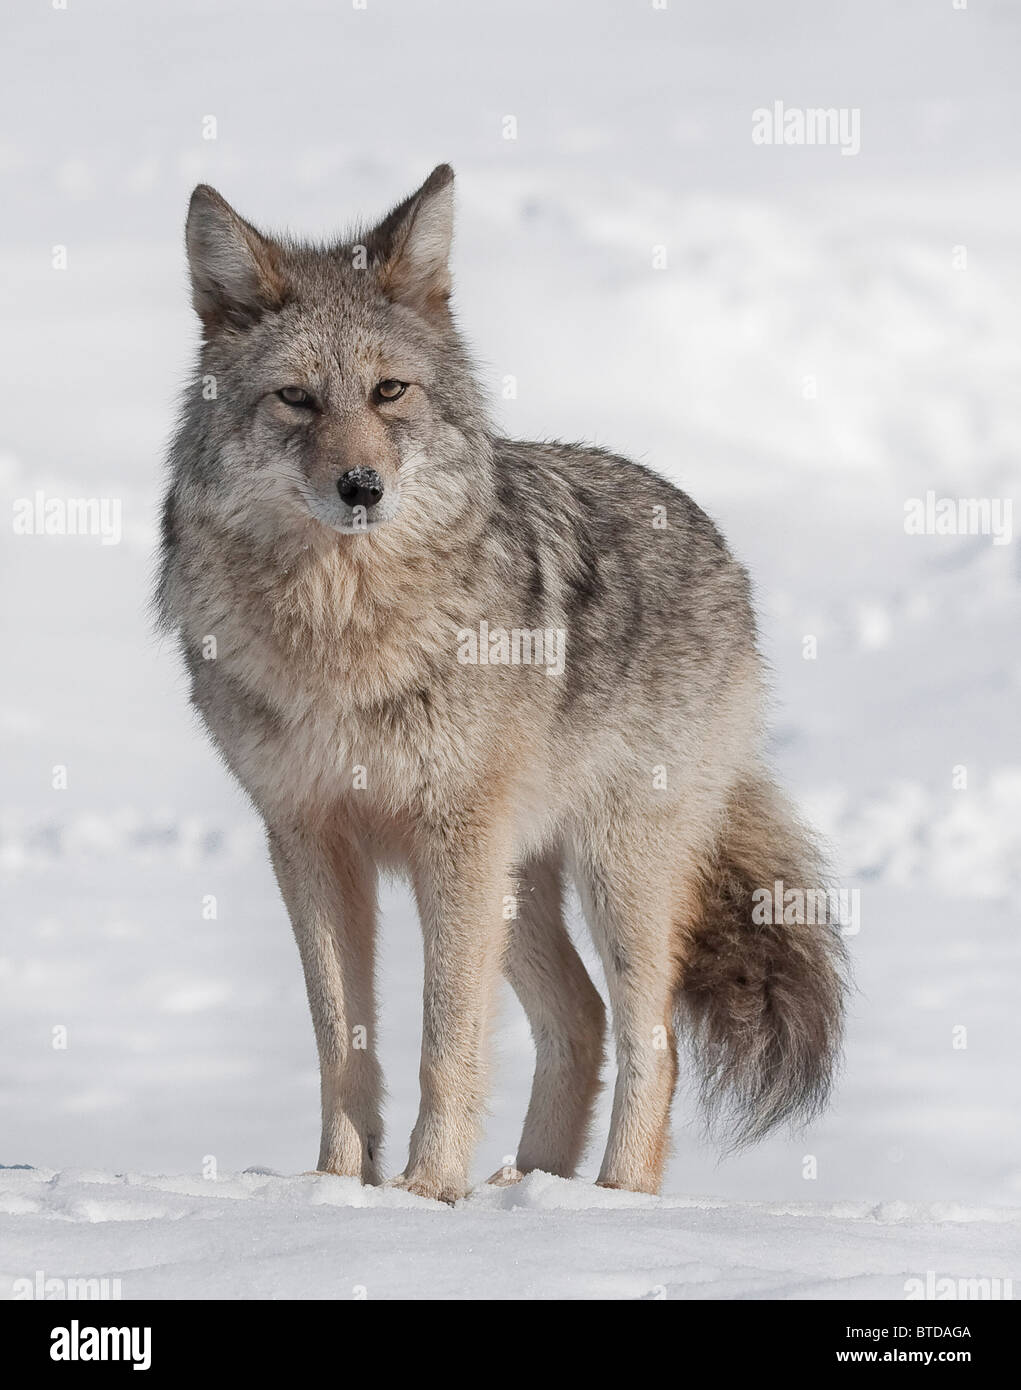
[{"x": 497, "y": 667}]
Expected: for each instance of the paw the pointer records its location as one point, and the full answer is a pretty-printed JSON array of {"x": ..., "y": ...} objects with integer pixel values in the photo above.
[
  {"x": 423, "y": 1184},
  {"x": 647, "y": 1186},
  {"x": 506, "y": 1176}
]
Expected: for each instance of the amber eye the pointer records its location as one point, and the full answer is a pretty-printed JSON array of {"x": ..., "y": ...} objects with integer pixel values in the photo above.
[
  {"x": 294, "y": 395},
  {"x": 391, "y": 390}
]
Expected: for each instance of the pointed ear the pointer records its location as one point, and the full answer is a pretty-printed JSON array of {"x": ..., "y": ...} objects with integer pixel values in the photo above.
[
  {"x": 235, "y": 271},
  {"x": 411, "y": 247}
]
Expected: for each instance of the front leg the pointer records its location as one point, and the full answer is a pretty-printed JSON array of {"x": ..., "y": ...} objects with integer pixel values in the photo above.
[
  {"x": 464, "y": 889},
  {"x": 329, "y": 889}
]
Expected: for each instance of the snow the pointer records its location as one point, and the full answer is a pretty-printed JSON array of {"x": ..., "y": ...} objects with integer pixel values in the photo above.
[
  {"x": 807, "y": 362},
  {"x": 257, "y": 1235}
]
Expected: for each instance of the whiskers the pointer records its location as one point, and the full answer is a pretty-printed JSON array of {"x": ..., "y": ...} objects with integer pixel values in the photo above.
[{"x": 409, "y": 467}]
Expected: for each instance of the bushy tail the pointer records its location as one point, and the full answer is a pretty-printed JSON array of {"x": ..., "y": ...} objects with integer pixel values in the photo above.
[{"x": 762, "y": 1001}]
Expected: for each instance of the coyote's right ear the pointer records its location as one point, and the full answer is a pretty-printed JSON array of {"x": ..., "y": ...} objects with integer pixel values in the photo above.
[{"x": 235, "y": 275}]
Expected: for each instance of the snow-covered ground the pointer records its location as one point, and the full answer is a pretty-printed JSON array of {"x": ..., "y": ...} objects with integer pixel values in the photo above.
[
  {"x": 256, "y": 1235},
  {"x": 809, "y": 359}
]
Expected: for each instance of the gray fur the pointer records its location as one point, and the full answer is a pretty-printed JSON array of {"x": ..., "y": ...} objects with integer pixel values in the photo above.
[{"x": 636, "y": 771}]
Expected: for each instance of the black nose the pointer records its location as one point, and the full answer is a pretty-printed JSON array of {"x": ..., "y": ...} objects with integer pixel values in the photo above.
[{"x": 360, "y": 487}]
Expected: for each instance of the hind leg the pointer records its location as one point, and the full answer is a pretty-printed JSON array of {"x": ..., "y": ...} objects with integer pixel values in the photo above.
[
  {"x": 632, "y": 880},
  {"x": 567, "y": 1019}
]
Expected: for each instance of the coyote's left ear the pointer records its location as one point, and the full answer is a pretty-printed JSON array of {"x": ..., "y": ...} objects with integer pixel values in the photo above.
[{"x": 411, "y": 247}]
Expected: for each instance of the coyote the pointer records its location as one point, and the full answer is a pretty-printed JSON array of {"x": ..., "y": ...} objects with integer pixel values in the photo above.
[{"x": 341, "y": 519}]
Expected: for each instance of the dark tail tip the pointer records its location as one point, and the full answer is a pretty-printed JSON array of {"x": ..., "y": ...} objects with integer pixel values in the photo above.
[{"x": 762, "y": 1001}]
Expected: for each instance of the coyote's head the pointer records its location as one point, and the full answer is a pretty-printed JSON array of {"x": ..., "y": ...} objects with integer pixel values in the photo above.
[{"x": 334, "y": 391}]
